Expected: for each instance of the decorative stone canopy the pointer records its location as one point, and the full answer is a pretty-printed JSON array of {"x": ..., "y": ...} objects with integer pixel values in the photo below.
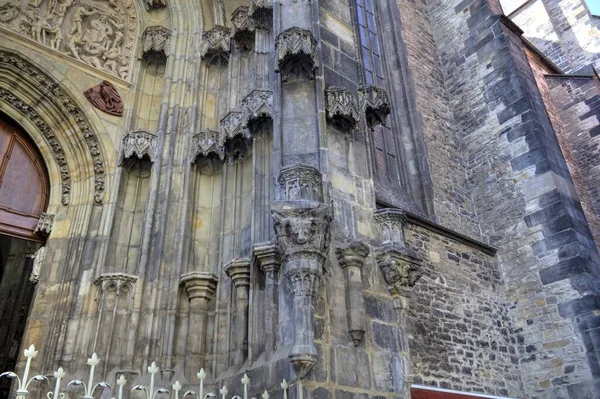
[
  {"x": 401, "y": 268},
  {"x": 257, "y": 107},
  {"x": 391, "y": 221},
  {"x": 301, "y": 182},
  {"x": 118, "y": 282},
  {"x": 261, "y": 11},
  {"x": 216, "y": 46},
  {"x": 139, "y": 143},
  {"x": 375, "y": 104},
  {"x": 341, "y": 107},
  {"x": 155, "y": 44},
  {"x": 44, "y": 224},
  {"x": 234, "y": 138},
  {"x": 242, "y": 30},
  {"x": 296, "y": 54},
  {"x": 205, "y": 144}
]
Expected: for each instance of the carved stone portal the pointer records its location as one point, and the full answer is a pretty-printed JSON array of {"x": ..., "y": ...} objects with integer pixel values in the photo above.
[
  {"x": 341, "y": 107},
  {"x": 375, "y": 104},
  {"x": 216, "y": 46},
  {"x": 257, "y": 107},
  {"x": 155, "y": 44},
  {"x": 261, "y": 11},
  {"x": 101, "y": 34},
  {"x": 106, "y": 98},
  {"x": 300, "y": 182},
  {"x": 296, "y": 54},
  {"x": 242, "y": 30},
  {"x": 401, "y": 268},
  {"x": 139, "y": 143}
]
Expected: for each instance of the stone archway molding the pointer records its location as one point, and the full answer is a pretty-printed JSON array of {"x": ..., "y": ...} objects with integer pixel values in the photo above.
[{"x": 66, "y": 108}]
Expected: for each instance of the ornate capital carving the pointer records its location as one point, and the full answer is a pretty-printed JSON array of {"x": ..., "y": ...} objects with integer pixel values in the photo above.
[
  {"x": 296, "y": 54},
  {"x": 199, "y": 285},
  {"x": 117, "y": 282},
  {"x": 242, "y": 30},
  {"x": 106, "y": 98},
  {"x": 401, "y": 268},
  {"x": 44, "y": 224},
  {"x": 239, "y": 272},
  {"x": 302, "y": 230},
  {"x": 257, "y": 106},
  {"x": 155, "y": 44},
  {"x": 301, "y": 182},
  {"x": 375, "y": 104},
  {"x": 234, "y": 138},
  {"x": 341, "y": 107},
  {"x": 155, "y": 4},
  {"x": 261, "y": 11},
  {"x": 206, "y": 145},
  {"x": 216, "y": 46},
  {"x": 266, "y": 256},
  {"x": 352, "y": 254},
  {"x": 139, "y": 143},
  {"x": 391, "y": 221}
]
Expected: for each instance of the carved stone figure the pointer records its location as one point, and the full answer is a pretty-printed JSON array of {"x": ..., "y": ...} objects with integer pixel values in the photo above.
[
  {"x": 106, "y": 98},
  {"x": 341, "y": 108},
  {"x": 139, "y": 143},
  {"x": 9, "y": 10},
  {"x": 242, "y": 30},
  {"x": 401, "y": 268},
  {"x": 38, "y": 259},
  {"x": 375, "y": 104},
  {"x": 257, "y": 107},
  {"x": 296, "y": 54},
  {"x": 300, "y": 182},
  {"x": 155, "y": 44},
  {"x": 44, "y": 225},
  {"x": 216, "y": 45}
]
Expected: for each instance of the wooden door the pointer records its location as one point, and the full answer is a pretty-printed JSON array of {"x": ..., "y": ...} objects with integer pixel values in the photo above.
[{"x": 24, "y": 184}]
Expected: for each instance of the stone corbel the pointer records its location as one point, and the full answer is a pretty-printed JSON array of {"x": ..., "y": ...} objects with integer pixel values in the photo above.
[
  {"x": 234, "y": 138},
  {"x": 257, "y": 108},
  {"x": 391, "y": 222},
  {"x": 301, "y": 183},
  {"x": 44, "y": 224},
  {"x": 155, "y": 4},
  {"x": 401, "y": 268},
  {"x": 205, "y": 146},
  {"x": 352, "y": 258},
  {"x": 216, "y": 46},
  {"x": 266, "y": 257},
  {"x": 242, "y": 30},
  {"x": 303, "y": 236},
  {"x": 296, "y": 54},
  {"x": 239, "y": 272},
  {"x": 375, "y": 105},
  {"x": 261, "y": 11},
  {"x": 155, "y": 44},
  {"x": 139, "y": 143},
  {"x": 341, "y": 107}
]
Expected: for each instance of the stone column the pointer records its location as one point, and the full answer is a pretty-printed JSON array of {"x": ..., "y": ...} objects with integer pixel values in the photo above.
[
  {"x": 352, "y": 259},
  {"x": 267, "y": 257},
  {"x": 239, "y": 272},
  {"x": 200, "y": 288}
]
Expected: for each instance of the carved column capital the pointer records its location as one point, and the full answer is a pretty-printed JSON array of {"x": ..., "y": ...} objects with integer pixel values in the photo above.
[
  {"x": 242, "y": 30},
  {"x": 341, "y": 107},
  {"x": 352, "y": 254},
  {"x": 391, "y": 222},
  {"x": 301, "y": 182},
  {"x": 375, "y": 104},
  {"x": 155, "y": 44},
  {"x": 257, "y": 106},
  {"x": 44, "y": 224},
  {"x": 401, "y": 268},
  {"x": 205, "y": 144},
  {"x": 199, "y": 285},
  {"x": 239, "y": 272},
  {"x": 216, "y": 45},
  {"x": 266, "y": 256},
  {"x": 261, "y": 11},
  {"x": 139, "y": 143},
  {"x": 296, "y": 54}
]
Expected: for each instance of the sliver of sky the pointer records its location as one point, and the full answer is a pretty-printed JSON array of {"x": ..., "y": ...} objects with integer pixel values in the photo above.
[{"x": 594, "y": 7}]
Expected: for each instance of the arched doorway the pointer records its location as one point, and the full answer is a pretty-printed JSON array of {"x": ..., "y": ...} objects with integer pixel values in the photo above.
[{"x": 24, "y": 194}]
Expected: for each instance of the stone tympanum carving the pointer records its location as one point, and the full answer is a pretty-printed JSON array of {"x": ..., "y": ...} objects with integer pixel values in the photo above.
[
  {"x": 106, "y": 98},
  {"x": 401, "y": 268},
  {"x": 155, "y": 4},
  {"x": 242, "y": 30},
  {"x": 296, "y": 54},
  {"x": 155, "y": 44},
  {"x": 341, "y": 107},
  {"x": 44, "y": 224},
  {"x": 261, "y": 11},
  {"x": 301, "y": 182},
  {"x": 257, "y": 107},
  {"x": 139, "y": 143},
  {"x": 239, "y": 272},
  {"x": 99, "y": 33},
  {"x": 234, "y": 138},
  {"x": 375, "y": 104},
  {"x": 216, "y": 46},
  {"x": 352, "y": 258},
  {"x": 303, "y": 236},
  {"x": 206, "y": 145}
]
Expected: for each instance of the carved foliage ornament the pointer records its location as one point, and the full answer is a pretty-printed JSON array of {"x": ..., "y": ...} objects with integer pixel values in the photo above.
[
  {"x": 401, "y": 268},
  {"x": 296, "y": 54},
  {"x": 99, "y": 33},
  {"x": 44, "y": 225},
  {"x": 139, "y": 143},
  {"x": 55, "y": 91},
  {"x": 155, "y": 44},
  {"x": 106, "y": 98},
  {"x": 257, "y": 106},
  {"x": 341, "y": 107},
  {"x": 261, "y": 11},
  {"x": 300, "y": 182},
  {"x": 242, "y": 30},
  {"x": 375, "y": 104},
  {"x": 216, "y": 46}
]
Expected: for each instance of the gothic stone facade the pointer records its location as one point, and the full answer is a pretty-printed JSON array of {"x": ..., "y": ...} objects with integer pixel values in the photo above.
[{"x": 356, "y": 196}]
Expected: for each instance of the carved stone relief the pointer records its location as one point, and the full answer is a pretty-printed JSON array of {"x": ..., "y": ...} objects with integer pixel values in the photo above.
[
  {"x": 234, "y": 138},
  {"x": 242, "y": 30},
  {"x": 44, "y": 225},
  {"x": 216, "y": 46},
  {"x": 106, "y": 98},
  {"x": 341, "y": 107},
  {"x": 296, "y": 54},
  {"x": 401, "y": 268},
  {"x": 139, "y": 143},
  {"x": 300, "y": 182},
  {"x": 261, "y": 11},
  {"x": 375, "y": 104},
  {"x": 155, "y": 44},
  {"x": 99, "y": 33},
  {"x": 257, "y": 107}
]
